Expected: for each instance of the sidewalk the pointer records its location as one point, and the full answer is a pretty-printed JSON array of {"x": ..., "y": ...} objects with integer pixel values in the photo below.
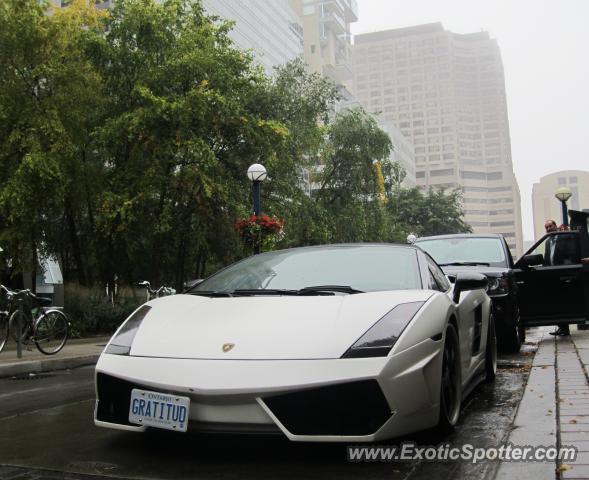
[
  {"x": 76, "y": 353},
  {"x": 554, "y": 409}
]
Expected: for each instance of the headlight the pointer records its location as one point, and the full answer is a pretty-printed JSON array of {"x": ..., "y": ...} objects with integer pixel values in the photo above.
[
  {"x": 497, "y": 286},
  {"x": 380, "y": 338},
  {"x": 121, "y": 343}
]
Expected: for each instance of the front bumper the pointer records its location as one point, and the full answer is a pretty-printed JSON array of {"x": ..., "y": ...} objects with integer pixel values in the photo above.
[{"x": 363, "y": 399}]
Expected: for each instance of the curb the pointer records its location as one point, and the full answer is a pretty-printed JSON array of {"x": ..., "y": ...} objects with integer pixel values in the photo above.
[{"x": 47, "y": 365}]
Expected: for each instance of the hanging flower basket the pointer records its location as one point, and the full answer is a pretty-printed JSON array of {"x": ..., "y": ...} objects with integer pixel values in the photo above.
[{"x": 259, "y": 227}]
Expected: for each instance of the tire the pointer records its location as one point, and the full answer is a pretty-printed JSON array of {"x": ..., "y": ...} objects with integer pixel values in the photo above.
[
  {"x": 13, "y": 326},
  {"x": 522, "y": 333},
  {"x": 4, "y": 322},
  {"x": 51, "y": 332},
  {"x": 511, "y": 338},
  {"x": 451, "y": 383},
  {"x": 491, "y": 352}
]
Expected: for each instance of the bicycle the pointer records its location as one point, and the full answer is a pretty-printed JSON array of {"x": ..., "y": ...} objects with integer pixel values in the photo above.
[
  {"x": 160, "y": 292},
  {"x": 40, "y": 323}
]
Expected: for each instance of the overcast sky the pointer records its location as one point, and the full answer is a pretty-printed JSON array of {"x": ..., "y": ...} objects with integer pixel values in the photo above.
[{"x": 545, "y": 49}]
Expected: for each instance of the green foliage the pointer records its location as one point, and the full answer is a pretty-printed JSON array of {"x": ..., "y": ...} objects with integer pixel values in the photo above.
[{"x": 125, "y": 137}]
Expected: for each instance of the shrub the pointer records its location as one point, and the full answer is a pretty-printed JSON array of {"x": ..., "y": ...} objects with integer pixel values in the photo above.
[{"x": 91, "y": 312}]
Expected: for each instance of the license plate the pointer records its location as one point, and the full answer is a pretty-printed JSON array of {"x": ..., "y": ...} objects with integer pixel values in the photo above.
[{"x": 160, "y": 410}]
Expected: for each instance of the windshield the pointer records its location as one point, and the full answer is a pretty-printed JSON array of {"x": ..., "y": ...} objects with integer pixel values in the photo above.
[
  {"x": 364, "y": 268},
  {"x": 466, "y": 250}
]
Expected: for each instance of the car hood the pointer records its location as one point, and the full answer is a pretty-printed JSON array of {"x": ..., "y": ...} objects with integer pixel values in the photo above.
[{"x": 262, "y": 327}]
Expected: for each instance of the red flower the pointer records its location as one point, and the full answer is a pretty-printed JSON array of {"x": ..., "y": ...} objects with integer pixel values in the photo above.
[{"x": 252, "y": 227}]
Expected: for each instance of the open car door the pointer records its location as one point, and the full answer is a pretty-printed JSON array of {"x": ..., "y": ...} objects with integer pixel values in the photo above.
[{"x": 553, "y": 283}]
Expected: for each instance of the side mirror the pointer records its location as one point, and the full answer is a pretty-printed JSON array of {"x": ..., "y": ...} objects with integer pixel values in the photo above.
[
  {"x": 192, "y": 283},
  {"x": 531, "y": 260},
  {"x": 468, "y": 281}
]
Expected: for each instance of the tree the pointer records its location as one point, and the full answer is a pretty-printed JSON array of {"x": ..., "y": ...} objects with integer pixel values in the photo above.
[
  {"x": 125, "y": 138},
  {"x": 46, "y": 101},
  {"x": 182, "y": 123},
  {"x": 437, "y": 212}
]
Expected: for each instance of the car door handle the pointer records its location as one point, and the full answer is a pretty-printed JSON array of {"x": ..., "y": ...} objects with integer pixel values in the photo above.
[
  {"x": 567, "y": 279},
  {"x": 520, "y": 282}
]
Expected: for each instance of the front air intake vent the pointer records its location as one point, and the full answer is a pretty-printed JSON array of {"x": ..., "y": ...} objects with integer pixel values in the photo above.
[{"x": 351, "y": 409}]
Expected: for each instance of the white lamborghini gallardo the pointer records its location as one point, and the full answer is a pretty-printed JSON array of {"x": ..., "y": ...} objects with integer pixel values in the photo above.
[{"x": 357, "y": 342}]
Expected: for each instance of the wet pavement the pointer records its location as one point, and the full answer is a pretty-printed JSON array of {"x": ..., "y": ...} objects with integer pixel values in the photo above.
[{"x": 46, "y": 433}]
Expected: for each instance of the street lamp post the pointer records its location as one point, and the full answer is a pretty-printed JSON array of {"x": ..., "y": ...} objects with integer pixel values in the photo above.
[
  {"x": 257, "y": 174},
  {"x": 563, "y": 194}
]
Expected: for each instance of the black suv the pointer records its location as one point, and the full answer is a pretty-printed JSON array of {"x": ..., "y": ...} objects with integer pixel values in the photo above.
[
  {"x": 489, "y": 255},
  {"x": 549, "y": 285}
]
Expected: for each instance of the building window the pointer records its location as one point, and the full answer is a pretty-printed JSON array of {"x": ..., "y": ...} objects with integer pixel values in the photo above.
[
  {"x": 502, "y": 224},
  {"x": 442, "y": 173},
  {"x": 474, "y": 175},
  {"x": 494, "y": 176},
  {"x": 562, "y": 180}
]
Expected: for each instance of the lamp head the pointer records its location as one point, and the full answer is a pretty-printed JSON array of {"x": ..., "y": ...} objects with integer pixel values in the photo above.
[
  {"x": 257, "y": 172},
  {"x": 563, "y": 194}
]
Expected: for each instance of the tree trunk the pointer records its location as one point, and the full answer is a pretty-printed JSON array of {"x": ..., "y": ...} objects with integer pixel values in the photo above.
[{"x": 75, "y": 242}]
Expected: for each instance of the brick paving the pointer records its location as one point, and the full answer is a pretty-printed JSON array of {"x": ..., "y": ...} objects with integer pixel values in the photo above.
[
  {"x": 572, "y": 392},
  {"x": 555, "y": 409}
]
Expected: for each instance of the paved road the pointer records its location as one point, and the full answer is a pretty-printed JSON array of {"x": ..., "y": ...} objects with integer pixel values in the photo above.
[{"x": 46, "y": 428}]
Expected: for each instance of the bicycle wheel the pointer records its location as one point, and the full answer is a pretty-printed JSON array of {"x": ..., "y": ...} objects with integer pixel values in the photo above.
[
  {"x": 18, "y": 326},
  {"x": 4, "y": 318},
  {"x": 51, "y": 332}
]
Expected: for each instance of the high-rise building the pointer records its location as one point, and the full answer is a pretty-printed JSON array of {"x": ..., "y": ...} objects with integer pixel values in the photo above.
[
  {"x": 545, "y": 206},
  {"x": 272, "y": 30},
  {"x": 327, "y": 38},
  {"x": 446, "y": 93}
]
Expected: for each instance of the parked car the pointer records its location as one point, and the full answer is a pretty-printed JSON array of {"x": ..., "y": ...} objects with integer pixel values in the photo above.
[
  {"x": 489, "y": 255},
  {"x": 331, "y": 343},
  {"x": 548, "y": 285}
]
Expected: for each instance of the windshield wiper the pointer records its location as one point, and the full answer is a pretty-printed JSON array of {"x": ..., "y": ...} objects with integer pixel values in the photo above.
[
  {"x": 247, "y": 292},
  {"x": 464, "y": 264},
  {"x": 210, "y": 293},
  {"x": 321, "y": 289},
  {"x": 263, "y": 291}
]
